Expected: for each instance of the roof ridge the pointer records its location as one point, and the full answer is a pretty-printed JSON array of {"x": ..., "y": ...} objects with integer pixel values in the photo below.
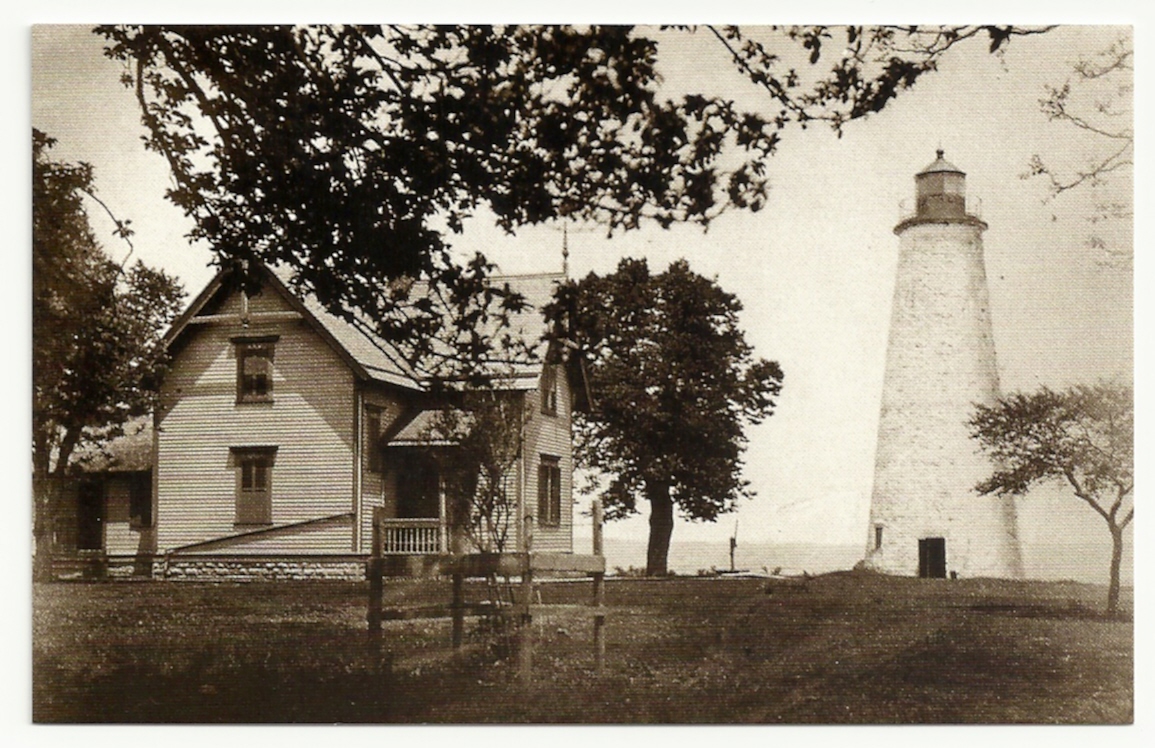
[{"x": 544, "y": 274}]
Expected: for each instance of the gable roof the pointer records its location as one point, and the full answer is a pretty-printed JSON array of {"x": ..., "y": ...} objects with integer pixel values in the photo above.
[
  {"x": 422, "y": 428},
  {"x": 372, "y": 357}
]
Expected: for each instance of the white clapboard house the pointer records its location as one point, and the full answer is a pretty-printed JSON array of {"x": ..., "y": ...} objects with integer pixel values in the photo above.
[{"x": 281, "y": 428}]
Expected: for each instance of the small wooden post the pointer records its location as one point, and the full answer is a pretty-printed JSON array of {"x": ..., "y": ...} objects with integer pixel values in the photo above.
[
  {"x": 599, "y": 592},
  {"x": 375, "y": 570},
  {"x": 525, "y": 634},
  {"x": 380, "y": 664},
  {"x": 457, "y": 609}
]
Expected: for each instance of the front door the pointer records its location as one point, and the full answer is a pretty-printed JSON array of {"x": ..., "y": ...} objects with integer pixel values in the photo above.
[
  {"x": 932, "y": 558},
  {"x": 90, "y": 517},
  {"x": 418, "y": 486}
]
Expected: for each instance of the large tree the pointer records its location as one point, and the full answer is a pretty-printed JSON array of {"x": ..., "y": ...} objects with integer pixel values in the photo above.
[
  {"x": 673, "y": 384},
  {"x": 351, "y": 153},
  {"x": 1083, "y": 436},
  {"x": 96, "y": 353}
]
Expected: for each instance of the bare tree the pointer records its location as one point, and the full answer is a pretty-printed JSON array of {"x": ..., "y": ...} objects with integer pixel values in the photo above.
[
  {"x": 485, "y": 427},
  {"x": 1095, "y": 102}
]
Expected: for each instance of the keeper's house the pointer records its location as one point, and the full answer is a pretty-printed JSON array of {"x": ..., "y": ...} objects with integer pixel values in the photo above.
[{"x": 281, "y": 428}]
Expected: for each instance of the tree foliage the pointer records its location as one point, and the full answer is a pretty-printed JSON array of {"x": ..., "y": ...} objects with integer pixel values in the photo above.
[
  {"x": 96, "y": 352},
  {"x": 674, "y": 383},
  {"x": 1083, "y": 436},
  {"x": 351, "y": 153}
]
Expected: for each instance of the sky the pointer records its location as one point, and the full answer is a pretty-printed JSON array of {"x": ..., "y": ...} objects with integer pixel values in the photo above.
[{"x": 814, "y": 270}]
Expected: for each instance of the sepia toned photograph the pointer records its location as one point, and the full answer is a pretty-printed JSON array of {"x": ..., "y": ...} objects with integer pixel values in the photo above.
[{"x": 582, "y": 374}]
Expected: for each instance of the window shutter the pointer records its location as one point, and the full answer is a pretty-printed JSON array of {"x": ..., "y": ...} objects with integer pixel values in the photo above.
[
  {"x": 542, "y": 494},
  {"x": 555, "y": 494}
]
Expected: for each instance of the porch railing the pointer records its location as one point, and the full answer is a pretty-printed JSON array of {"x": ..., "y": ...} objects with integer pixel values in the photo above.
[{"x": 412, "y": 536}]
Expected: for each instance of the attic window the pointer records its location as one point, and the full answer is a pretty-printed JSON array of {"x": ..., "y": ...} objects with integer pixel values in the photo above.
[{"x": 255, "y": 369}]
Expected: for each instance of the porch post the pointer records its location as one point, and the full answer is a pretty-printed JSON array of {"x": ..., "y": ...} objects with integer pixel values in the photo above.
[{"x": 443, "y": 519}]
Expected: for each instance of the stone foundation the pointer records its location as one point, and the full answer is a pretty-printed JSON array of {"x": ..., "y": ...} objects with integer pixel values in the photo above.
[
  {"x": 241, "y": 568},
  {"x": 210, "y": 569}
]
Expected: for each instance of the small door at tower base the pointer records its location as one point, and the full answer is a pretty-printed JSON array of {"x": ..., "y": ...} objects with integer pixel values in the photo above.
[{"x": 932, "y": 558}]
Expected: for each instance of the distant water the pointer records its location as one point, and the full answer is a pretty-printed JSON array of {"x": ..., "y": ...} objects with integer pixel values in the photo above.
[
  {"x": 690, "y": 557},
  {"x": 1086, "y": 562}
]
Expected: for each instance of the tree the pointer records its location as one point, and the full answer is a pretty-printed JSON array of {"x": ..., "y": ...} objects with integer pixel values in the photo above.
[
  {"x": 479, "y": 470},
  {"x": 1096, "y": 103},
  {"x": 96, "y": 353},
  {"x": 1083, "y": 435},
  {"x": 350, "y": 154},
  {"x": 673, "y": 382}
]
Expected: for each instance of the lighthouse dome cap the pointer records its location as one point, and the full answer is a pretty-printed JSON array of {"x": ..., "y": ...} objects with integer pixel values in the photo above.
[{"x": 941, "y": 164}]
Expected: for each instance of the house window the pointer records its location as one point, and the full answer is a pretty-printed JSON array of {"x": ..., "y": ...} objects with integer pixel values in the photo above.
[
  {"x": 254, "y": 466},
  {"x": 140, "y": 501},
  {"x": 877, "y": 537},
  {"x": 372, "y": 436},
  {"x": 255, "y": 369},
  {"x": 549, "y": 390},
  {"x": 549, "y": 492}
]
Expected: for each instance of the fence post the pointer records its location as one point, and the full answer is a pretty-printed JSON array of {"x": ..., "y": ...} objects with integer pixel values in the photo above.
[
  {"x": 380, "y": 664},
  {"x": 599, "y": 591},
  {"x": 525, "y": 634},
  {"x": 457, "y": 608},
  {"x": 457, "y": 605}
]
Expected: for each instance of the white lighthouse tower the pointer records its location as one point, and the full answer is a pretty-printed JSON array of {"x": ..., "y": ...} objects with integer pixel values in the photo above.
[{"x": 926, "y": 518}]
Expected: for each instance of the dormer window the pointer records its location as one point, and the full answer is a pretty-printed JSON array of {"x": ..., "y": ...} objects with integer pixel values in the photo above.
[{"x": 255, "y": 369}]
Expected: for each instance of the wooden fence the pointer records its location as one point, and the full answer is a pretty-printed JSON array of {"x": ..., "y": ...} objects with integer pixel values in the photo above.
[{"x": 525, "y": 565}]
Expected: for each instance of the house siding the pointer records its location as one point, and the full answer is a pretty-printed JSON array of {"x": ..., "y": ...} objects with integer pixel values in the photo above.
[
  {"x": 118, "y": 536},
  {"x": 548, "y": 434},
  {"x": 378, "y": 489},
  {"x": 310, "y": 421},
  {"x": 331, "y": 532}
]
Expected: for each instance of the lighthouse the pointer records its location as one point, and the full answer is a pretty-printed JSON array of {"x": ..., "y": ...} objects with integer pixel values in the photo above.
[{"x": 926, "y": 519}]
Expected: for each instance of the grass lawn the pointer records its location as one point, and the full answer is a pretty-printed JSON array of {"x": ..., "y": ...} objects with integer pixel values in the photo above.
[{"x": 843, "y": 648}]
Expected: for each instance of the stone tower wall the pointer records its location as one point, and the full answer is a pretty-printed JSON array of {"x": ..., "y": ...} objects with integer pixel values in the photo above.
[{"x": 940, "y": 362}]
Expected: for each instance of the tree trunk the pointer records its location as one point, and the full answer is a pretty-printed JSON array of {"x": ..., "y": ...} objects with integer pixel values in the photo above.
[
  {"x": 41, "y": 514},
  {"x": 661, "y": 527},
  {"x": 46, "y": 482},
  {"x": 1116, "y": 563},
  {"x": 41, "y": 529}
]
